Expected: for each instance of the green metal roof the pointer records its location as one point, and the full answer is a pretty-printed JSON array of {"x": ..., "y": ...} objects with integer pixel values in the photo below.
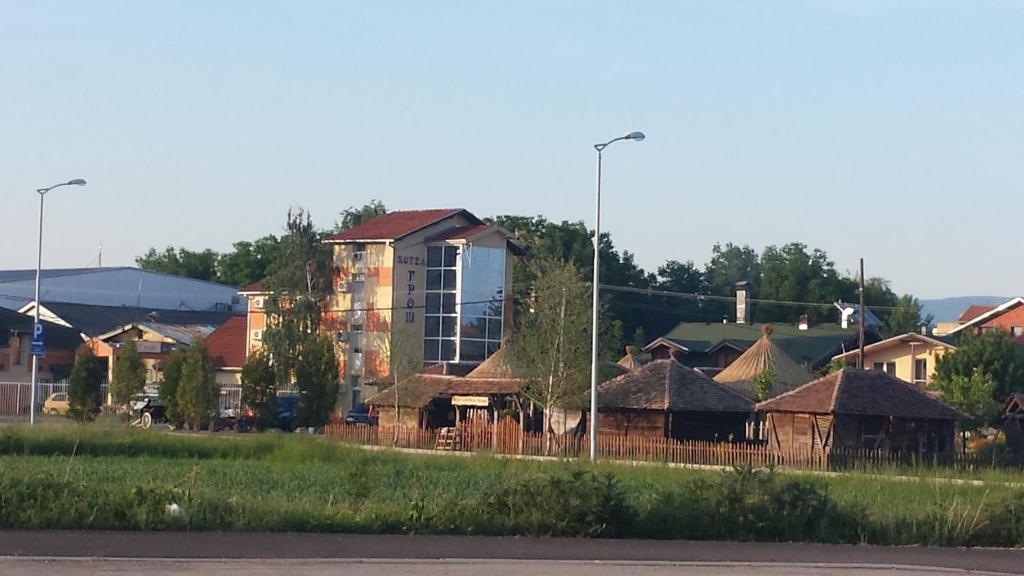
[{"x": 815, "y": 345}]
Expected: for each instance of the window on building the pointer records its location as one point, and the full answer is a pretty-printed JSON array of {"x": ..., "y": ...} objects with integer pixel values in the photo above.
[
  {"x": 440, "y": 316},
  {"x": 482, "y": 303},
  {"x": 887, "y": 367},
  {"x": 920, "y": 370},
  {"x": 1017, "y": 331}
]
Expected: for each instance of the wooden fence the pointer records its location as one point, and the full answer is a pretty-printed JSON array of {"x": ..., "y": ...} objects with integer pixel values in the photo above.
[{"x": 510, "y": 440}]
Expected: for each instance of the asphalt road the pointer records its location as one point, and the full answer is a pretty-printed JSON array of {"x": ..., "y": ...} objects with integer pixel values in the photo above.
[{"x": 72, "y": 552}]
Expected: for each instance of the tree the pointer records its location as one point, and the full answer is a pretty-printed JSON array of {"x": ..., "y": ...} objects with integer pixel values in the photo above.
[
  {"x": 84, "y": 389},
  {"x": 907, "y": 316},
  {"x": 129, "y": 377},
  {"x": 402, "y": 351},
  {"x": 973, "y": 395},
  {"x": 792, "y": 273},
  {"x": 181, "y": 262},
  {"x": 316, "y": 373},
  {"x": 992, "y": 353},
  {"x": 198, "y": 394},
  {"x": 550, "y": 349},
  {"x": 249, "y": 262},
  {"x": 764, "y": 383},
  {"x": 352, "y": 216},
  {"x": 300, "y": 287},
  {"x": 259, "y": 389},
  {"x": 169, "y": 379}
]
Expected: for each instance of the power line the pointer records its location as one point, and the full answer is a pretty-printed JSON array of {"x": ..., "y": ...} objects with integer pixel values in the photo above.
[{"x": 703, "y": 297}]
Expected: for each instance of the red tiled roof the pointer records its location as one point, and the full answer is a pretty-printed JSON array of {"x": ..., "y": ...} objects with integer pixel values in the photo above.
[
  {"x": 395, "y": 225},
  {"x": 975, "y": 310},
  {"x": 862, "y": 393},
  {"x": 460, "y": 232},
  {"x": 254, "y": 287},
  {"x": 226, "y": 345}
]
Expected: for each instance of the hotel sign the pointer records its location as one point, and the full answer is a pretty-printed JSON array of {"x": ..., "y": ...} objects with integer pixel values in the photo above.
[{"x": 482, "y": 401}]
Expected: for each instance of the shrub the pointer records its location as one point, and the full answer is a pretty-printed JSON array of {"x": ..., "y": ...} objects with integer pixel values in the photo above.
[{"x": 84, "y": 387}]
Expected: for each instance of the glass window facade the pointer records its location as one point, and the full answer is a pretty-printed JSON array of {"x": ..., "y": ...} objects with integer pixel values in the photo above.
[
  {"x": 440, "y": 314},
  {"x": 465, "y": 298},
  {"x": 482, "y": 302}
]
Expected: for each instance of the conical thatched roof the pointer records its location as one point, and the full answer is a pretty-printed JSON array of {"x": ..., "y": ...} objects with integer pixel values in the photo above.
[
  {"x": 764, "y": 354},
  {"x": 495, "y": 366}
]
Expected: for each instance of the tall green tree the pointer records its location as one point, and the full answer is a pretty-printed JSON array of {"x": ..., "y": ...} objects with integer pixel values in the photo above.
[
  {"x": 300, "y": 287},
  {"x": 316, "y": 374},
  {"x": 907, "y": 316},
  {"x": 170, "y": 378},
  {"x": 974, "y": 395},
  {"x": 794, "y": 273},
  {"x": 249, "y": 262},
  {"x": 201, "y": 265},
  {"x": 550, "y": 348},
  {"x": 991, "y": 353},
  {"x": 84, "y": 388},
  {"x": 259, "y": 389},
  {"x": 352, "y": 216},
  {"x": 129, "y": 377},
  {"x": 198, "y": 394}
]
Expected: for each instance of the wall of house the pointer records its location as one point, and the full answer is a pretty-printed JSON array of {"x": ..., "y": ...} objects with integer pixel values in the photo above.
[
  {"x": 407, "y": 418},
  {"x": 643, "y": 423},
  {"x": 712, "y": 426},
  {"x": 16, "y": 360},
  {"x": 256, "y": 319},
  {"x": 228, "y": 378},
  {"x": 901, "y": 355},
  {"x": 798, "y": 431},
  {"x": 1012, "y": 321},
  {"x": 894, "y": 434}
]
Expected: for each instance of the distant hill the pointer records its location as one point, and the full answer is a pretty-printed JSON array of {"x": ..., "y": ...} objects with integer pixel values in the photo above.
[{"x": 949, "y": 309}]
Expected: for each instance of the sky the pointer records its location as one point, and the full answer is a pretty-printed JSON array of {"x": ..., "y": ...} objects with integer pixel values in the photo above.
[{"x": 884, "y": 130}]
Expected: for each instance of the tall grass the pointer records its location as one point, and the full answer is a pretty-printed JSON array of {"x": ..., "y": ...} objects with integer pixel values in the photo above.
[{"x": 127, "y": 479}]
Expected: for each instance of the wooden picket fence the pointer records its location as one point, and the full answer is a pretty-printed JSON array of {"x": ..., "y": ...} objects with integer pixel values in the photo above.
[{"x": 509, "y": 439}]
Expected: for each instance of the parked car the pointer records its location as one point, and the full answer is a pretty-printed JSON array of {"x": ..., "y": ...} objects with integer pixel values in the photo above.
[
  {"x": 56, "y": 404},
  {"x": 361, "y": 415},
  {"x": 147, "y": 410},
  {"x": 287, "y": 409}
]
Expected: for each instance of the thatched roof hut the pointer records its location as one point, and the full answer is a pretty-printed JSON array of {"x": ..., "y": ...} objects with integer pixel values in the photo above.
[
  {"x": 665, "y": 398},
  {"x": 764, "y": 354},
  {"x": 859, "y": 409}
]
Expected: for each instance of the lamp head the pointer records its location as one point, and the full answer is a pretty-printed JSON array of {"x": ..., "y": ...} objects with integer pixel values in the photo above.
[
  {"x": 76, "y": 182},
  {"x": 638, "y": 136}
]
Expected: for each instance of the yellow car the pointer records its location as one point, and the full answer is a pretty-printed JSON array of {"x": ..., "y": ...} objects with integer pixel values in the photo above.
[{"x": 56, "y": 404}]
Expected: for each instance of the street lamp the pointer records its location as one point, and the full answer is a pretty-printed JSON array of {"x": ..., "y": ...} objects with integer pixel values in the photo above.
[
  {"x": 639, "y": 137},
  {"x": 39, "y": 265}
]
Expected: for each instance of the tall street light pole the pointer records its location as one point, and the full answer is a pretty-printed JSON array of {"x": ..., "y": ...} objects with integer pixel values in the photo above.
[
  {"x": 39, "y": 266},
  {"x": 637, "y": 136}
]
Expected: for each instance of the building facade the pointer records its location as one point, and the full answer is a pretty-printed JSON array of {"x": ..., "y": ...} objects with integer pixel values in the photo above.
[
  {"x": 910, "y": 357},
  {"x": 441, "y": 277}
]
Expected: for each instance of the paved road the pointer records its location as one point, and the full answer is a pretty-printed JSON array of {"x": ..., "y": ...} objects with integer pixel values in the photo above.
[
  {"x": 66, "y": 567},
  {"x": 73, "y": 552}
]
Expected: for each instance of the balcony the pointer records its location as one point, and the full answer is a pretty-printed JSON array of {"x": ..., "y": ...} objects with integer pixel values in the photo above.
[
  {"x": 359, "y": 262},
  {"x": 355, "y": 364}
]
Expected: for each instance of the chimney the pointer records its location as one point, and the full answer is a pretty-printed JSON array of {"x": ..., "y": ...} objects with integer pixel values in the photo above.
[
  {"x": 742, "y": 302},
  {"x": 805, "y": 322}
]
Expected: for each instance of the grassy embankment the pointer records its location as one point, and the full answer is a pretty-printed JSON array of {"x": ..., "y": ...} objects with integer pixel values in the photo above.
[{"x": 81, "y": 478}]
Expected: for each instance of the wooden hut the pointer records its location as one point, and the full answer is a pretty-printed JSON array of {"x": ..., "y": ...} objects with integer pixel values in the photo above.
[
  {"x": 859, "y": 409},
  {"x": 431, "y": 400},
  {"x": 663, "y": 398},
  {"x": 764, "y": 355}
]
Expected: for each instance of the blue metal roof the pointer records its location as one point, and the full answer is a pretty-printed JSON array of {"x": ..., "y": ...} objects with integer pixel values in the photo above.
[{"x": 117, "y": 286}]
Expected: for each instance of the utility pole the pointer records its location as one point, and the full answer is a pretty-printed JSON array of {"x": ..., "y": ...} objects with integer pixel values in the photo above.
[{"x": 863, "y": 319}]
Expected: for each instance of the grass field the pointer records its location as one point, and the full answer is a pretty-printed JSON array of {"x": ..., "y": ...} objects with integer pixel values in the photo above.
[{"x": 116, "y": 479}]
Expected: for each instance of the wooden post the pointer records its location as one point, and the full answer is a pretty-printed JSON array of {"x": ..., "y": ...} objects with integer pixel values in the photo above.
[{"x": 863, "y": 320}]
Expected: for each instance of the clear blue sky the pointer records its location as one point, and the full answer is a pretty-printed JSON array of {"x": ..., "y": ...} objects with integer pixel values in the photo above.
[{"x": 200, "y": 123}]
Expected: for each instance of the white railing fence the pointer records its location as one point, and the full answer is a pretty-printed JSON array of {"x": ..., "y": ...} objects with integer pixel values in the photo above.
[{"x": 15, "y": 397}]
